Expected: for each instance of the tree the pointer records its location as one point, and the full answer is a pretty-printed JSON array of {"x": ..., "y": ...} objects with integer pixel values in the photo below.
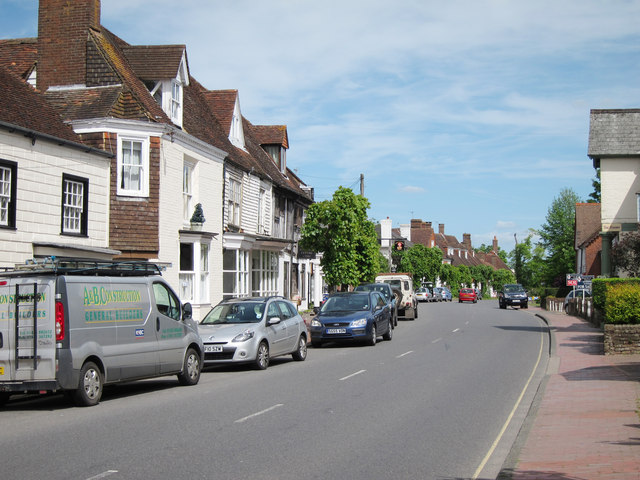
[
  {"x": 594, "y": 197},
  {"x": 557, "y": 236},
  {"x": 502, "y": 277},
  {"x": 340, "y": 230},
  {"x": 422, "y": 262},
  {"x": 626, "y": 254},
  {"x": 531, "y": 267}
]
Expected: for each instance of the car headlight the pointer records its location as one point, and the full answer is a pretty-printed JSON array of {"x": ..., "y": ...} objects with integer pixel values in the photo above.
[
  {"x": 359, "y": 323},
  {"x": 244, "y": 336},
  {"x": 315, "y": 323}
]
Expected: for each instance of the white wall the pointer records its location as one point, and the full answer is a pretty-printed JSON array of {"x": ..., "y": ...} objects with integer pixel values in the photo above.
[
  {"x": 39, "y": 195},
  {"x": 620, "y": 182}
]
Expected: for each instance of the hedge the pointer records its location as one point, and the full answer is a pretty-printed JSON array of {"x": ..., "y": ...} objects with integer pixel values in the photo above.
[{"x": 618, "y": 299}]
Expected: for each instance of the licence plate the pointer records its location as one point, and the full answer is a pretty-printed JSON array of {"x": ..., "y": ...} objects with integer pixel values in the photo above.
[
  {"x": 212, "y": 348},
  {"x": 515, "y": 301},
  {"x": 336, "y": 330}
]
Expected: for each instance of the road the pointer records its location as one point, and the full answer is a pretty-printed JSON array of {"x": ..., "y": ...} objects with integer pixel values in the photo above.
[{"x": 444, "y": 399}]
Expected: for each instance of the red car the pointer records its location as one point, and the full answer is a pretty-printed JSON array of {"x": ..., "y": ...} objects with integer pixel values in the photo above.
[{"x": 467, "y": 295}]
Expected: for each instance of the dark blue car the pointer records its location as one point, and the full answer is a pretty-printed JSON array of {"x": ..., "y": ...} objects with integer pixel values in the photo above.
[{"x": 360, "y": 316}]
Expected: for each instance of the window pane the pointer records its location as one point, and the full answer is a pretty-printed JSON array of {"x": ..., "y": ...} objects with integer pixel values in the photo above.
[{"x": 186, "y": 257}]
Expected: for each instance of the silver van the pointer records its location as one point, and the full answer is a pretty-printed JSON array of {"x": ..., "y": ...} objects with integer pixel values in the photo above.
[{"x": 77, "y": 325}]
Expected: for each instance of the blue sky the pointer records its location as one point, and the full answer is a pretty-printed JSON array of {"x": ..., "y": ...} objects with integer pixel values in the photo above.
[{"x": 474, "y": 114}]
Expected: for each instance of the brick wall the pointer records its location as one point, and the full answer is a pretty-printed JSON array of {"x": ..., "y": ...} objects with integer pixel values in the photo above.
[
  {"x": 621, "y": 339},
  {"x": 63, "y": 29}
]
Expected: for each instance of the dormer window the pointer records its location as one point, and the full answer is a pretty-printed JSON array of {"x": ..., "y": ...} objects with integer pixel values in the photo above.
[
  {"x": 176, "y": 102},
  {"x": 279, "y": 155}
]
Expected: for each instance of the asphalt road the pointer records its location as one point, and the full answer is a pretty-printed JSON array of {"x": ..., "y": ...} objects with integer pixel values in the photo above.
[{"x": 444, "y": 399}]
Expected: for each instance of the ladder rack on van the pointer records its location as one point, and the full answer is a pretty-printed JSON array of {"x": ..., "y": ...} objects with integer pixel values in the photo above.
[
  {"x": 88, "y": 267},
  {"x": 26, "y": 324}
]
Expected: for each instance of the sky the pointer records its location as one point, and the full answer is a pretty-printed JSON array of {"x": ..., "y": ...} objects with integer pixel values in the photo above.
[{"x": 469, "y": 113}]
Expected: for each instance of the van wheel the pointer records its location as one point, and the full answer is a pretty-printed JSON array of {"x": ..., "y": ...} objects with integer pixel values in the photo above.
[
  {"x": 262, "y": 356},
  {"x": 300, "y": 353},
  {"x": 4, "y": 398},
  {"x": 90, "y": 386},
  {"x": 191, "y": 368}
]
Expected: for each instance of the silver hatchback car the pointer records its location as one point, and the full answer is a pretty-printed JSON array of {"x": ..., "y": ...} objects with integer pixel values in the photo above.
[{"x": 253, "y": 330}]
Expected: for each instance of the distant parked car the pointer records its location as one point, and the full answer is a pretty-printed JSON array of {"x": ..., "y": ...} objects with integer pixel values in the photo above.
[
  {"x": 437, "y": 294},
  {"x": 423, "y": 294},
  {"x": 467, "y": 295},
  {"x": 388, "y": 293},
  {"x": 446, "y": 294},
  {"x": 253, "y": 330},
  {"x": 359, "y": 316},
  {"x": 577, "y": 293}
]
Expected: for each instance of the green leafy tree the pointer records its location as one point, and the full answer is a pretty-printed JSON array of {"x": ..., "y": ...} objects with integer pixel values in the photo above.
[
  {"x": 422, "y": 262},
  {"x": 339, "y": 228},
  {"x": 557, "y": 237},
  {"x": 383, "y": 262},
  {"x": 527, "y": 259},
  {"x": 502, "y": 277},
  {"x": 482, "y": 275},
  {"x": 594, "y": 197},
  {"x": 626, "y": 254}
]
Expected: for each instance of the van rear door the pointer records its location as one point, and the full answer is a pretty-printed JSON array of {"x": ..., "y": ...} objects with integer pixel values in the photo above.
[{"x": 27, "y": 329}]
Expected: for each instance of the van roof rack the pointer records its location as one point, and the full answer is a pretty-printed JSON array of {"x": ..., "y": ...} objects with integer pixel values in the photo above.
[{"x": 86, "y": 266}]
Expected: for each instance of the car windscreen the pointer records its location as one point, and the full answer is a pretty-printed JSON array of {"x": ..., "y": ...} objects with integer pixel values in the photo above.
[
  {"x": 241, "y": 312},
  {"x": 512, "y": 288},
  {"x": 346, "y": 303},
  {"x": 383, "y": 289}
]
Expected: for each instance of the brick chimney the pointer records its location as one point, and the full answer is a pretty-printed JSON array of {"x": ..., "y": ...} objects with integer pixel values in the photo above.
[
  {"x": 466, "y": 240},
  {"x": 441, "y": 228},
  {"x": 495, "y": 244},
  {"x": 63, "y": 27}
]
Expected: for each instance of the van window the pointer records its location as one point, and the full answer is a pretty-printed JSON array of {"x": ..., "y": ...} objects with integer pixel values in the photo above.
[{"x": 166, "y": 302}]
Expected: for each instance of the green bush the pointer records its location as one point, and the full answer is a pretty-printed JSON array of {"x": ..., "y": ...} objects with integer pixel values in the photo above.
[
  {"x": 601, "y": 286},
  {"x": 623, "y": 303}
]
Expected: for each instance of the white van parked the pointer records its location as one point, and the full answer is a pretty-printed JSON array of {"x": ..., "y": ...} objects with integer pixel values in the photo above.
[{"x": 77, "y": 325}]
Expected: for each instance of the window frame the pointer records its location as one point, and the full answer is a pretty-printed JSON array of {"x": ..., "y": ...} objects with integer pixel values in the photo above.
[
  {"x": 234, "y": 202},
  {"x": 83, "y": 218},
  {"x": 188, "y": 169},
  {"x": 12, "y": 168},
  {"x": 143, "y": 192}
]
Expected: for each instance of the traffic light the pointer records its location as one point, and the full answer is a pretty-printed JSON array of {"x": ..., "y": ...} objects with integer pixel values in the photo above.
[{"x": 399, "y": 246}]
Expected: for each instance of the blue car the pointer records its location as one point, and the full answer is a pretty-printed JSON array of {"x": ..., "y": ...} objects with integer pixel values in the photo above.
[
  {"x": 446, "y": 294},
  {"x": 359, "y": 316}
]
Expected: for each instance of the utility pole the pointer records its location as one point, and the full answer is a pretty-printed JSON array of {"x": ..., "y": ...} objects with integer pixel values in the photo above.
[{"x": 362, "y": 184}]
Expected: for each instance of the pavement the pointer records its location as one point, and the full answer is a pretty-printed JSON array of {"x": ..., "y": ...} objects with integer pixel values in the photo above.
[{"x": 584, "y": 423}]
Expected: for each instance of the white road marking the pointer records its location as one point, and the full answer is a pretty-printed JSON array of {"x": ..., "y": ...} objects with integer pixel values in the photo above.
[
  {"x": 456, "y": 330},
  {"x": 244, "y": 419},
  {"x": 405, "y": 353},
  {"x": 103, "y": 475},
  {"x": 353, "y": 375},
  {"x": 436, "y": 340}
]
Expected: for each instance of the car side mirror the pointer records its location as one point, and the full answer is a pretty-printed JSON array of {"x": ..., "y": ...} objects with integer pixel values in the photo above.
[
  {"x": 187, "y": 311},
  {"x": 273, "y": 321}
]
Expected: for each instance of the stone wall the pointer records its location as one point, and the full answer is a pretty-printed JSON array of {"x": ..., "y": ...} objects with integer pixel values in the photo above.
[{"x": 621, "y": 339}]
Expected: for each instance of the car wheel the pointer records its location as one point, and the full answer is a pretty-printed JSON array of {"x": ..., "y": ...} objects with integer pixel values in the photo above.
[
  {"x": 526, "y": 305},
  {"x": 415, "y": 311},
  {"x": 395, "y": 317},
  {"x": 191, "y": 368},
  {"x": 301, "y": 352},
  {"x": 262, "y": 356},
  {"x": 374, "y": 336},
  {"x": 4, "y": 398},
  {"x": 389, "y": 335},
  {"x": 90, "y": 386}
]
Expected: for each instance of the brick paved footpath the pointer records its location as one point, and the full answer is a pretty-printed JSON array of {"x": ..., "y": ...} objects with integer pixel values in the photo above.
[{"x": 587, "y": 426}]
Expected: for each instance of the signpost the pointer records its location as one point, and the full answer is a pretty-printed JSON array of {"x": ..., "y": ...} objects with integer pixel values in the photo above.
[{"x": 578, "y": 280}]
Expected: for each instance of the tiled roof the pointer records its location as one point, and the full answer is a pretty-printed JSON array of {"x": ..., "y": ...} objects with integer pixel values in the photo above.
[
  {"x": 588, "y": 223},
  {"x": 84, "y": 103},
  {"x": 19, "y": 56},
  {"x": 614, "y": 133},
  {"x": 154, "y": 62},
  {"x": 222, "y": 103},
  {"x": 271, "y": 135},
  {"x": 23, "y": 106}
]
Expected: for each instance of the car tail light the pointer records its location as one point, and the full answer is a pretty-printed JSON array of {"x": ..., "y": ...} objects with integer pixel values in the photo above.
[{"x": 59, "y": 321}]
